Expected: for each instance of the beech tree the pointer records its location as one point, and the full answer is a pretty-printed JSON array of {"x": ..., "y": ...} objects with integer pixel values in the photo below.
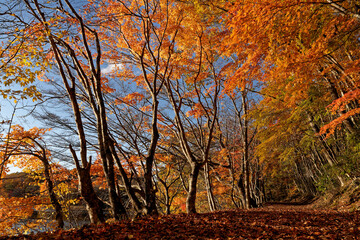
[
  {"x": 142, "y": 37},
  {"x": 26, "y": 151},
  {"x": 60, "y": 47},
  {"x": 193, "y": 93}
]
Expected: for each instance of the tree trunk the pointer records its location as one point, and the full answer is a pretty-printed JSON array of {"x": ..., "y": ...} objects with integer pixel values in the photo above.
[
  {"x": 94, "y": 205},
  {"x": 329, "y": 153},
  {"x": 59, "y": 215},
  {"x": 118, "y": 210},
  {"x": 210, "y": 195},
  {"x": 191, "y": 198},
  {"x": 241, "y": 187},
  {"x": 246, "y": 183},
  {"x": 150, "y": 193},
  {"x": 167, "y": 200},
  {"x": 129, "y": 190},
  {"x": 246, "y": 163}
]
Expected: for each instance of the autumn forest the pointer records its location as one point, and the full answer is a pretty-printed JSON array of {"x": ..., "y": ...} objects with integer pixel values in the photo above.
[{"x": 155, "y": 107}]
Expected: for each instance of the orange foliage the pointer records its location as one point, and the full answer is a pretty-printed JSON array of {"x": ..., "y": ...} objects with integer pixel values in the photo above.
[
  {"x": 293, "y": 45},
  {"x": 23, "y": 149},
  {"x": 130, "y": 99},
  {"x": 14, "y": 212}
]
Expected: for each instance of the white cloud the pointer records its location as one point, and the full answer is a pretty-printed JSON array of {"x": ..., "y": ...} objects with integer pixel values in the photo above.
[{"x": 111, "y": 67}]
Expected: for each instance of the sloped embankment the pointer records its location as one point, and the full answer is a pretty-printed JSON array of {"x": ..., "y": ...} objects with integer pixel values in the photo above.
[{"x": 346, "y": 198}]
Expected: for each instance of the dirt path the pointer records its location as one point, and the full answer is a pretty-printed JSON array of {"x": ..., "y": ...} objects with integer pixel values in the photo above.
[{"x": 288, "y": 206}]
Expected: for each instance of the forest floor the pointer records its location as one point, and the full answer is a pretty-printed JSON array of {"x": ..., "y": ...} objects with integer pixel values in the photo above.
[{"x": 273, "y": 221}]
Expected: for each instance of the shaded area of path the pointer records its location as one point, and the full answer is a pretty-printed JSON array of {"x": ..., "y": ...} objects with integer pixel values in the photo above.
[{"x": 273, "y": 221}]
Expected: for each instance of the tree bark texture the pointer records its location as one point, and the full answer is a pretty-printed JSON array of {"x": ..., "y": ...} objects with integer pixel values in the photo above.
[{"x": 191, "y": 198}]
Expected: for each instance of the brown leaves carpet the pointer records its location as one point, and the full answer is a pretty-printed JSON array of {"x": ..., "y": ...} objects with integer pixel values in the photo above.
[{"x": 271, "y": 222}]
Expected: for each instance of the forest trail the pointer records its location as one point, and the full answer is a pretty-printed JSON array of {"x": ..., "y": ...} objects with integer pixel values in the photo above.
[
  {"x": 273, "y": 221},
  {"x": 284, "y": 206}
]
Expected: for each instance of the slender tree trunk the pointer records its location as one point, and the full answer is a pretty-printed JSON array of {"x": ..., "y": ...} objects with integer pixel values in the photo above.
[
  {"x": 167, "y": 200},
  {"x": 191, "y": 198},
  {"x": 117, "y": 208},
  {"x": 234, "y": 185},
  {"x": 246, "y": 164},
  {"x": 129, "y": 190},
  {"x": 150, "y": 193},
  {"x": 241, "y": 187},
  {"x": 329, "y": 153},
  {"x": 210, "y": 195},
  {"x": 59, "y": 215},
  {"x": 246, "y": 183}
]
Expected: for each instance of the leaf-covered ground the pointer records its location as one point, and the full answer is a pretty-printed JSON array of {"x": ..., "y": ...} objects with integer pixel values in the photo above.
[{"x": 275, "y": 222}]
